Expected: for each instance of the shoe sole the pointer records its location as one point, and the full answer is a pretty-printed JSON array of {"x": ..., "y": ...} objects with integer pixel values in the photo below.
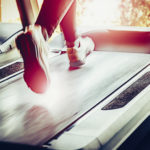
[{"x": 35, "y": 70}]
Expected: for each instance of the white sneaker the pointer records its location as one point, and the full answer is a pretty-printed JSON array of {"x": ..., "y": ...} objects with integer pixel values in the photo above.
[
  {"x": 33, "y": 49},
  {"x": 82, "y": 48}
]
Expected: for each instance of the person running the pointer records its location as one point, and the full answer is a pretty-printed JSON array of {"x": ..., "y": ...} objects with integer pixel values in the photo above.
[{"x": 33, "y": 46}]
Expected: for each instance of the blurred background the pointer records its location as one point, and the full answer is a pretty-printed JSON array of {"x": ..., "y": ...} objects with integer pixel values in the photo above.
[{"x": 95, "y": 12}]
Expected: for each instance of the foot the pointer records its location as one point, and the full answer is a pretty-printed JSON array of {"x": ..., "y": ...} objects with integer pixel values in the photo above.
[
  {"x": 33, "y": 49},
  {"x": 78, "y": 53}
]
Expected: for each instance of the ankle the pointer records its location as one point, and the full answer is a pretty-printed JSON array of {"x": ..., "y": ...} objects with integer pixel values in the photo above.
[
  {"x": 38, "y": 27},
  {"x": 69, "y": 44}
]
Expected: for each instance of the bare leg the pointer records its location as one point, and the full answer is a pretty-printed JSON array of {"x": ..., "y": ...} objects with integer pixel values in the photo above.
[
  {"x": 51, "y": 14},
  {"x": 78, "y": 48},
  {"x": 68, "y": 25}
]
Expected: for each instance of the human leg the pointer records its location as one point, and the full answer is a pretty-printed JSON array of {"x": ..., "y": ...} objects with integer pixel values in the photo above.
[
  {"x": 51, "y": 14},
  {"x": 68, "y": 25},
  {"x": 33, "y": 47},
  {"x": 78, "y": 48}
]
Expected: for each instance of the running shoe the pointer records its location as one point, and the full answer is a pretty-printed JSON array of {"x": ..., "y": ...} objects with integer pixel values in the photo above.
[
  {"x": 33, "y": 49},
  {"x": 81, "y": 49}
]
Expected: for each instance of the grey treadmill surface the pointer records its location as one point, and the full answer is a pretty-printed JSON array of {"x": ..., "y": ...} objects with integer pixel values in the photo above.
[
  {"x": 7, "y": 30},
  {"x": 30, "y": 118},
  {"x": 26, "y": 117}
]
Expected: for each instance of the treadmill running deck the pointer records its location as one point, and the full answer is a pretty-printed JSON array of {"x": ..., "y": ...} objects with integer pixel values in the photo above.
[{"x": 26, "y": 117}]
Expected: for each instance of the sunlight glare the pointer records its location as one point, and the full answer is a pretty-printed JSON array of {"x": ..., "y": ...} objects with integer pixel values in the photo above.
[{"x": 100, "y": 12}]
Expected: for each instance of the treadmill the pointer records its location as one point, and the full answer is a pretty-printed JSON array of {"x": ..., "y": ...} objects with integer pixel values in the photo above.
[{"x": 99, "y": 106}]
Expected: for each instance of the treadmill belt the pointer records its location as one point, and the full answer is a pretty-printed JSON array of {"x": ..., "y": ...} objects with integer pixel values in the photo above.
[
  {"x": 71, "y": 95},
  {"x": 126, "y": 96}
]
